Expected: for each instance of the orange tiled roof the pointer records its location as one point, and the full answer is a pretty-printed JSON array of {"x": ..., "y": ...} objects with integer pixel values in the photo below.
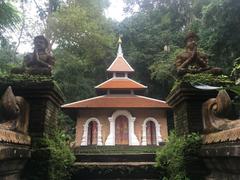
[
  {"x": 118, "y": 101},
  {"x": 120, "y": 83},
  {"x": 120, "y": 65}
]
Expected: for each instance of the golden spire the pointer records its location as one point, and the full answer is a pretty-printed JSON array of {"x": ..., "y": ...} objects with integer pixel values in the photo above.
[
  {"x": 119, "y": 40},
  {"x": 120, "y": 53}
]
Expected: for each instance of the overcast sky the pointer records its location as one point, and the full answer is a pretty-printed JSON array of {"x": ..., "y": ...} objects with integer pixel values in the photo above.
[{"x": 115, "y": 11}]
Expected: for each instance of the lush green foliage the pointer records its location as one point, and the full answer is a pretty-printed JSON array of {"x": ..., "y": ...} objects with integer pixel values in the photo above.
[
  {"x": 236, "y": 71},
  {"x": 177, "y": 154},
  {"x": 86, "y": 40},
  {"x": 85, "y": 47},
  {"x": 8, "y": 16},
  {"x": 61, "y": 156},
  {"x": 160, "y": 23},
  {"x": 52, "y": 158},
  {"x": 8, "y": 57},
  {"x": 219, "y": 32}
]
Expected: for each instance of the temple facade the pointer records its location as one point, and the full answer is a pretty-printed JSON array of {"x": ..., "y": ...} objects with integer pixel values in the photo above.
[{"x": 120, "y": 114}]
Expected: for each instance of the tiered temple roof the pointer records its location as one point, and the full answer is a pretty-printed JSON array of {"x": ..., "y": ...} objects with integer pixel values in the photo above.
[{"x": 120, "y": 91}]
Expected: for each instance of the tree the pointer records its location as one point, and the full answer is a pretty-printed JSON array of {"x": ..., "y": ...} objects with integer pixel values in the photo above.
[
  {"x": 219, "y": 32},
  {"x": 9, "y": 16},
  {"x": 85, "y": 47}
]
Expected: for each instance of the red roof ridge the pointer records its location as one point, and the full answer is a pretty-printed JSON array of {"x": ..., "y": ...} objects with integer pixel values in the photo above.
[
  {"x": 72, "y": 103},
  {"x": 124, "y": 60},
  {"x": 103, "y": 83},
  {"x": 137, "y": 82},
  {"x": 152, "y": 99}
]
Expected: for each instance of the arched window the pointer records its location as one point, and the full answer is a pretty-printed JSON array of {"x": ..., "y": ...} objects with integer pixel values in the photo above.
[
  {"x": 151, "y": 134},
  {"x": 92, "y": 133}
]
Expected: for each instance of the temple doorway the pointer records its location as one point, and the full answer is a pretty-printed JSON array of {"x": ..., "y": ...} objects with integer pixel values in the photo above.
[
  {"x": 92, "y": 133},
  {"x": 151, "y": 133},
  {"x": 121, "y": 127}
]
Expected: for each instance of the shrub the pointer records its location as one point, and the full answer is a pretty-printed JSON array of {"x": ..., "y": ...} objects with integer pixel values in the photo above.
[
  {"x": 177, "y": 154},
  {"x": 61, "y": 157},
  {"x": 51, "y": 158}
]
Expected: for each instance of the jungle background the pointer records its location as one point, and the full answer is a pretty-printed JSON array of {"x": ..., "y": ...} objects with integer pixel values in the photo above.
[{"x": 84, "y": 40}]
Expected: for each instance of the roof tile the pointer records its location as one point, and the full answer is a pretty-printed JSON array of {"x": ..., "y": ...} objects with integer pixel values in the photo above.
[
  {"x": 120, "y": 83},
  {"x": 120, "y": 65},
  {"x": 117, "y": 101}
]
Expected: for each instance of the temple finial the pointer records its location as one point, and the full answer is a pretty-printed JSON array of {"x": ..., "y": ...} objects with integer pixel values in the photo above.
[
  {"x": 119, "y": 40},
  {"x": 120, "y": 53}
]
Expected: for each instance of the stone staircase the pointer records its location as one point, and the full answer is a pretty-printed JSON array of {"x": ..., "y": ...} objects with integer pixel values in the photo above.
[{"x": 116, "y": 162}]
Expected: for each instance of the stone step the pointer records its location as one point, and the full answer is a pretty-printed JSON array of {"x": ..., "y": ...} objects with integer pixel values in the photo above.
[
  {"x": 116, "y": 170},
  {"x": 144, "y": 157},
  {"x": 114, "y": 163}
]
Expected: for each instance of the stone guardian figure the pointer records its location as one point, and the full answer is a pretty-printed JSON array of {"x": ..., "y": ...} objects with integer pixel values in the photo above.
[
  {"x": 192, "y": 61},
  {"x": 38, "y": 62}
]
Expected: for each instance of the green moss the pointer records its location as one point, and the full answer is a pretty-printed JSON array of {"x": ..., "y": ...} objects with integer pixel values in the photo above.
[
  {"x": 204, "y": 78},
  {"x": 209, "y": 79},
  {"x": 24, "y": 78},
  {"x": 117, "y": 149},
  {"x": 28, "y": 81}
]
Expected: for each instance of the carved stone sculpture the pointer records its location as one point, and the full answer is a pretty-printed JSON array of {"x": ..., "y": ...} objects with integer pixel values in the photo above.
[
  {"x": 14, "y": 112},
  {"x": 215, "y": 113},
  {"x": 192, "y": 61},
  {"x": 38, "y": 62}
]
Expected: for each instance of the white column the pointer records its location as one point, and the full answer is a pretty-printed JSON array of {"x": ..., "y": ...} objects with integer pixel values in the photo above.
[
  {"x": 158, "y": 133},
  {"x": 144, "y": 135},
  {"x": 84, "y": 137},
  {"x": 111, "y": 137},
  {"x": 99, "y": 140},
  {"x": 132, "y": 137}
]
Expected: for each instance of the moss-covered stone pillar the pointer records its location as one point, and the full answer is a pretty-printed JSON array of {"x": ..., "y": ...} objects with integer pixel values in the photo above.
[
  {"x": 186, "y": 102},
  {"x": 44, "y": 99},
  {"x": 43, "y": 96}
]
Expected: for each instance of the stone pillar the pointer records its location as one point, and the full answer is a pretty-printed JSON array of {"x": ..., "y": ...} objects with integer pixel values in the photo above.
[
  {"x": 99, "y": 138},
  {"x": 132, "y": 137},
  {"x": 186, "y": 102},
  {"x": 111, "y": 137},
  {"x": 144, "y": 135},
  {"x": 44, "y": 106},
  {"x": 44, "y": 99},
  {"x": 84, "y": 137}
]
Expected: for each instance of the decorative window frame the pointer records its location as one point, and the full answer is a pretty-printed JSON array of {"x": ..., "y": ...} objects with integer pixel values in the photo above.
[
  {"x": 85, "y": 132},
  {"x": 131, "y": 134},
  {"x": 144, "y": 131}
]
